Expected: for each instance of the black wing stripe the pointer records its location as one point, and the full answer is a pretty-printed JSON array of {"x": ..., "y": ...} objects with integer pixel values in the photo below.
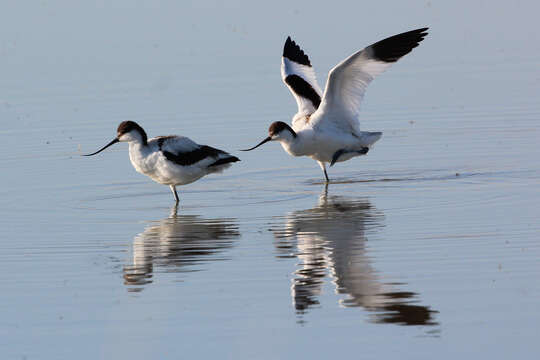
[
  {"x": 194, "y": 156},
  {"x": 225, "y": 161},
  {"x": 394, "y": 47},
  {"x": 293, "y": 52},
  {"x": 302, "y": 88},
  {"x": 161, "y": 140}
]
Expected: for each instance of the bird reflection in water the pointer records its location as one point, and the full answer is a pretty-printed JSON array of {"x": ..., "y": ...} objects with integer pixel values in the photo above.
[
  {"x": 179, "y": 243},
  {"x": 330, "y": 239}
]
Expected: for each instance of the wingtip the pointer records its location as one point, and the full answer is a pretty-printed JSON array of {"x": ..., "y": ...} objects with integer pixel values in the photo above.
[
  {"x": 287, "y": 44},
  {"x": 394, "y": 47},
  {"x": 422, "y": 33},
  {"x": 293, "y": 52}
]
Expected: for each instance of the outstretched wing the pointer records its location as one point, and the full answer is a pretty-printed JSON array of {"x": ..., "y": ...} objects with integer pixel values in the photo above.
[
  {"x": 347, "y": 81},
  {"x": 299, "y": 76}
]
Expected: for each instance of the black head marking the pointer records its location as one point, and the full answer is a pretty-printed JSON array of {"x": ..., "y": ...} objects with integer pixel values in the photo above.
[
  {"x": 394, "y": 47},
  {"x": 278, "y": 126},
  {"x": 127, "y": 126},
  {"x": 293, "y": 52}
]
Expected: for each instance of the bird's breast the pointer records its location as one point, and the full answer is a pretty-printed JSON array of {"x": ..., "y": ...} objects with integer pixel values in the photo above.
[{"x": 143, "y": 161}]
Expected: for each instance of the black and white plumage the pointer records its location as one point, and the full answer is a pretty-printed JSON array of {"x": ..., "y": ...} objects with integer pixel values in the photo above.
[
  {"x": 170, "y": 160},
  {"x": 326, "y": 126},
  {"x": 299, "y": 76}
]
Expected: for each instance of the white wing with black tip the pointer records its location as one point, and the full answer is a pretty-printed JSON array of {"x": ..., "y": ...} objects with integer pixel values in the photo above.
[
  {"x": 347, "y": 81},
  {"x": 299, "y": 76}
]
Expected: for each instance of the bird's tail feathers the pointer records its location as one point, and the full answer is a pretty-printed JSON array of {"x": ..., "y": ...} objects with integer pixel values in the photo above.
[
  {"x": 225, "y": 160},
  {"x": 369, "y": 138}
]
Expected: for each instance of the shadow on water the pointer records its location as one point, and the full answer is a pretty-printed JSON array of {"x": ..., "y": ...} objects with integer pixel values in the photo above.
[
  {"x": 178, "y": 243},
  {"x": 330, "y": 240}
]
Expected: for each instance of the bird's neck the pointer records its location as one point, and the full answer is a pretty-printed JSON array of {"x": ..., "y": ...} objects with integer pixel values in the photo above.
[
  {"x": 140, "y": 157},
  {"x": 137, "y": 137},
  {"x": 297, "y": 145},
  {"x": 138, "y": 145},
  {"x": 138, "y": 149}
]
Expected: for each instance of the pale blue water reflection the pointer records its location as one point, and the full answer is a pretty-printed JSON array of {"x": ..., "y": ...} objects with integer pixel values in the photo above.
[
  {"x": 331, "y": 244},
  {"x": 178, "y": 243}
]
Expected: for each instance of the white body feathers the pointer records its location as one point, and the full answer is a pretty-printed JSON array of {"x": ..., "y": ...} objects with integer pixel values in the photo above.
[
  {"x": 326, "y": 124},
  {"x": 151, "y": 161}
]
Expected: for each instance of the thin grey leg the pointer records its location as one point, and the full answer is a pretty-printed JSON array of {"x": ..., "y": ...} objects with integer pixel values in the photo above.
[
  {"x": 174, "y": 211},
  {"x": 173, "y": 189},
  {"x": 323, "y": 167}
]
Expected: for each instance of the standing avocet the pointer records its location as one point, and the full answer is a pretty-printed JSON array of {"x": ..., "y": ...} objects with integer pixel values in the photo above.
[
  {"x": 169, "y": 160},
  {"x": 327, "y": 128}
]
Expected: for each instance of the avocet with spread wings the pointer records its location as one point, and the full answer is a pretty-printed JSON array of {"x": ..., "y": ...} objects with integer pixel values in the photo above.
[{"x": 326, "y": 127}]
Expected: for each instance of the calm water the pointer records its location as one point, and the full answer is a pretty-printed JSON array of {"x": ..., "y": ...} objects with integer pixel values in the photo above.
[{"x": 427, "y": 247}]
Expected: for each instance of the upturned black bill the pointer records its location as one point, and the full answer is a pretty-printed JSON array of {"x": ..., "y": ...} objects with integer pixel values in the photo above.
[
  {"x": 256, "y": 146},
  {"x": 103, "y": 148}
]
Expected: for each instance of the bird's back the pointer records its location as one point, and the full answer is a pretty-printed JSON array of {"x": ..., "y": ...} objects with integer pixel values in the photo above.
[{"x": 173, "y": 143}]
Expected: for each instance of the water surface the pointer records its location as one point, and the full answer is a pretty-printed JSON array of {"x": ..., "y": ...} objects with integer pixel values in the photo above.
[{"x": 426, "y": 247}]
